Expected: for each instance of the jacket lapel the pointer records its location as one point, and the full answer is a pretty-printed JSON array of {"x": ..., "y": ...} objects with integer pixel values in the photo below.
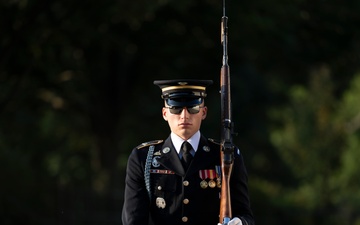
[
  {"x": 205, "y": 155},
  {"x": 169, "y": 158}
]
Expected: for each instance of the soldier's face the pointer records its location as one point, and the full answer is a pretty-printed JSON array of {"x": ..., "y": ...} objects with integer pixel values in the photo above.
[{"x": 184, "y": 124}]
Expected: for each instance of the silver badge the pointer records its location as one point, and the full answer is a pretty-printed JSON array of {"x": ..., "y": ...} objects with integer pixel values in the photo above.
[
  {"x": 206, "y": 148},
  {"x": 166, "y": 150},
  {"x": 160, "y": 203},
  {"x": 155, "y": 162}
]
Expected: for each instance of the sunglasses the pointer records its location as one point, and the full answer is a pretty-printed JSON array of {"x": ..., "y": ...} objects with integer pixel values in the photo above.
[{"x": 178, "y": 109}]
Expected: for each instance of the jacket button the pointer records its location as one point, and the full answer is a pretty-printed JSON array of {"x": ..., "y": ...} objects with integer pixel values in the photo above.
[
  {"x": 186, "y": 183},
  {"x": 184, "y": 219},
  {"x": 159, "y": 188},
  {"x": 186, "y": 201}
]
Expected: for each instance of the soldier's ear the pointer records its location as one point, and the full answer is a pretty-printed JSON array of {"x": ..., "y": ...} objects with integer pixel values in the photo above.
[
  {"x": 204, "y": 112},
  {"x": 164, "y": 113}
]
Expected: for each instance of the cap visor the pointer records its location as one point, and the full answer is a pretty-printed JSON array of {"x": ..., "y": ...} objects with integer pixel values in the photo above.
[{"x": 184, "y": 101}]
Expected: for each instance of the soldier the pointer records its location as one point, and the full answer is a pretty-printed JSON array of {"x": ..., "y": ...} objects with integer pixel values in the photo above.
[{"x": 178, "y": 181}]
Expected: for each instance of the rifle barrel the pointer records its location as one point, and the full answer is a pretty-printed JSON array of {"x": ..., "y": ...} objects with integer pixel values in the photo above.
[{"x": 227, "y": 148}]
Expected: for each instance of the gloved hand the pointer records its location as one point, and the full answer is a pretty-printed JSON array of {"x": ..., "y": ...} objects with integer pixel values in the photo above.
[{"x": 234, "y": 221}]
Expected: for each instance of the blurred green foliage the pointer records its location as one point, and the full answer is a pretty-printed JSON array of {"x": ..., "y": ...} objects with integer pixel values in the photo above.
[{"x": 76, "y": 95}]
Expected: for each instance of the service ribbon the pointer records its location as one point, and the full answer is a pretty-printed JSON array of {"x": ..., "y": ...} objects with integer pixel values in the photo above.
[
  {"x": 212, "y": 174},
  {"x": 203, "y": 174},
  {"x": 218, "y": 171}
]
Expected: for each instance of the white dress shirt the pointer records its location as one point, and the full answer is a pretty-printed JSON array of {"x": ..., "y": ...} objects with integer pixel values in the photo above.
[{"x": 194, "y": 141}]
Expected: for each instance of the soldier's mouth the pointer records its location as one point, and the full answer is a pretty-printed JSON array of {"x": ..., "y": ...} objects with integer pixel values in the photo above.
[{"x": 184, "y": 124}]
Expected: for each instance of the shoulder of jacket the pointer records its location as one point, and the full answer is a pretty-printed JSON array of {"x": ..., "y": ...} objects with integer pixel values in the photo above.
[
  {"x": 146, "y": 144},
  {"x": 214, "y": 141}
]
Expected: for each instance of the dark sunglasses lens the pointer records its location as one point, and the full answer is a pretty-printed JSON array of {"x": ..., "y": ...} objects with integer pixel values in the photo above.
[
  {"x": 194, "y": 109},
  {"x": 175, "y": 110}
]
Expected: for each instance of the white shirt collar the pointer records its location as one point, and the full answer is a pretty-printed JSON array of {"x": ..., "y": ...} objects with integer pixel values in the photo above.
[{"x": 177, "y": 141}]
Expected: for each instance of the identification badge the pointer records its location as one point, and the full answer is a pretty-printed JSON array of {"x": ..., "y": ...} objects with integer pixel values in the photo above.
[{"x": 160, "y": 203}]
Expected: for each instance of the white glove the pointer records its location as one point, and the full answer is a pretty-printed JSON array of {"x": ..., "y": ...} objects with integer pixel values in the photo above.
[{"x": 234, "y": 221}]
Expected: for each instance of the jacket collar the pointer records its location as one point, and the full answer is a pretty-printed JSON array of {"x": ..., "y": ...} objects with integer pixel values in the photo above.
[{"x": 169, "y": 157}]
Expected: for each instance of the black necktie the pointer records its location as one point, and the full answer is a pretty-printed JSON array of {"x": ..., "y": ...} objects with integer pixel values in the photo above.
[{"x": 186, "y": 155}]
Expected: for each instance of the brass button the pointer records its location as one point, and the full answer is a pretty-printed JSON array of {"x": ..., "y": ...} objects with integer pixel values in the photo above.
[
  {"x": 186, "y": 201},
  {"x": 184, "y": 219},
  {"x": 159, "y": 188},
  {"x": 186, "y": 183}
]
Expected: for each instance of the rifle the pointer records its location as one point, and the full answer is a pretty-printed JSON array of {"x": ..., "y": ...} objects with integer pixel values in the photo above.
[{"x": 226, "y": 145}]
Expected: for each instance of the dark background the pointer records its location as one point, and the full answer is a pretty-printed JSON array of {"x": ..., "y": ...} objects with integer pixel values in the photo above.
[{"x": 77, "y": 95}]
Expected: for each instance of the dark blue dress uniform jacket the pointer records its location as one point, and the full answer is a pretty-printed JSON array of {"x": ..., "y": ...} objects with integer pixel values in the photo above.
[{"x": 181, "y": 199}]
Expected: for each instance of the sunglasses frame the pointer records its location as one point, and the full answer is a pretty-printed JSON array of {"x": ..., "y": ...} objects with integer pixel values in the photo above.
[{"x": 177, "y": 110}]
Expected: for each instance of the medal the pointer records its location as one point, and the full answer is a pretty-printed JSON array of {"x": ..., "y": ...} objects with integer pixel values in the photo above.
[
  {"x": 203, "y": 184},
  {"x": 212, "y": 175},
  {"x": 203, "y": 176},
  {"x": 212, "y": 183},
  {"x": 218, "y": 183}
]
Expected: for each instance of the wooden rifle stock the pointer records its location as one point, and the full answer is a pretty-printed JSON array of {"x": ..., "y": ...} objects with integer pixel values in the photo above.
[
  {"x": 225, "y": 203},
  {"x": 227, "y": 147}
]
